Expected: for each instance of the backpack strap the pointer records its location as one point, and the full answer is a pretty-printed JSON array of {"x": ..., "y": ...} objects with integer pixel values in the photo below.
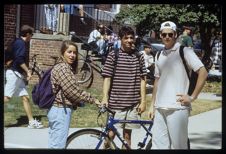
[
  {"x": 116, "y": 51},
  {"x": 116, "y": 59},
  {"x": 138, "y": 55},
  {"x": 158, "y": 54},
  {"x": 181, "y": 51}
]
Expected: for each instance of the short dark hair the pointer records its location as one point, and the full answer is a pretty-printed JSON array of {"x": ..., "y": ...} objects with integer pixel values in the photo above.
[
  {"x": 147, "y": 46},
  {"x": 100, "y": 26},
  {"x": 187, "y": 27},
  {"x": 126, "y": 30},
  {"x": 26, "y": 29}
]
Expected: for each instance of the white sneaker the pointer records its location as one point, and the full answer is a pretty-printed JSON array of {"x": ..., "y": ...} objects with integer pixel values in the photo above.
[{"x": 35, "y": 124}]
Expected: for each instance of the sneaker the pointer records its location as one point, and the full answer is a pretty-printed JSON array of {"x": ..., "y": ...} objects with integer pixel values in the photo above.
[{"x": 35, "y": 124}]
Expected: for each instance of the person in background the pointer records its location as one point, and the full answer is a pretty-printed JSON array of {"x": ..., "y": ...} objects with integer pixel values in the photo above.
[
  {"x": 51, "y": 14},
  {"x": 185, "y": 39},
  {"x": 124, "y": 88},
  {"x": 15, "y": 84},
  {"x": 68, "y": 95},
  {"x": 111, "y": 36},
  {"x": 149, "y": 62},
  {"x": 97, "y": 40},
  {"x": 70, "y": 8},
  {"x": 170, "y": 103},
  {"x": 148, "y": 57}
]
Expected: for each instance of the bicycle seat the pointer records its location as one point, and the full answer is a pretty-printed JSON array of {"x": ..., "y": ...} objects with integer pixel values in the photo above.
[{"x": 89, "y": 47}]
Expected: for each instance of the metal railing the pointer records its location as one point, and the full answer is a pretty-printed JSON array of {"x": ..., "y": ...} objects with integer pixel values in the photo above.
[{"x": 49, "y": 19}]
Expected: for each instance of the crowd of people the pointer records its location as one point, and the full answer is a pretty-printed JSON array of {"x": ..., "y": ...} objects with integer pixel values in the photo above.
[
  {"x": 124, "y": 85},
  {"x": 101, "y": 38}
]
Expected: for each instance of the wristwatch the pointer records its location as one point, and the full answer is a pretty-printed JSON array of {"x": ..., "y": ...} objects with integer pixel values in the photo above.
[{"x": 191, "y": 98}]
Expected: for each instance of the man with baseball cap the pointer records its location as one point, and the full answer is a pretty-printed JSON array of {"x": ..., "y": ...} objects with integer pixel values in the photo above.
[{"x": 170, "y": 104}]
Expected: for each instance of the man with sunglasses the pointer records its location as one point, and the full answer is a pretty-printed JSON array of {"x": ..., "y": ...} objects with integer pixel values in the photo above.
[{"x": 170, "y": 104}]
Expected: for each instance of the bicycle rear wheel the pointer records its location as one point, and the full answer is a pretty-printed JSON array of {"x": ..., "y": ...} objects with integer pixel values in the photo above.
[
  {"x": 88, "y": 139},
  {"x": 84, "y": 71}
]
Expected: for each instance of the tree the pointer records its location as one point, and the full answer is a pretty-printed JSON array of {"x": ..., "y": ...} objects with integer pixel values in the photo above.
[{"x": 145, "y": 17}]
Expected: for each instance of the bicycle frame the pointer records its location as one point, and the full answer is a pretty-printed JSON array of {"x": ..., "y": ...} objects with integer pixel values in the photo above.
[
  {"x": 35, "y": 66},
  {"x": 87, "y": 58},
  {"x": 110, "y": 126}
]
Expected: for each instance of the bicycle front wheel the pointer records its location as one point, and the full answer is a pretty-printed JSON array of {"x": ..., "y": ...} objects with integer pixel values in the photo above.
[
  {"x": 84, "y": 71},
  {"x": 89, "y": 139}
]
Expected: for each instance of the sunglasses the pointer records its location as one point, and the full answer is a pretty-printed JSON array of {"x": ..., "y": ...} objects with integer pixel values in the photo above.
[{"x": 169, "y": 35}]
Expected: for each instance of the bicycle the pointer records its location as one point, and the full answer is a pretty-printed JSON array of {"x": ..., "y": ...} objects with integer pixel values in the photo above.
[
  {"x": 95, "y": 139},
  {"x": 34, "y": 66},
  {"x": 84, "y": 69},
  {"x": 89, "y": 62}
]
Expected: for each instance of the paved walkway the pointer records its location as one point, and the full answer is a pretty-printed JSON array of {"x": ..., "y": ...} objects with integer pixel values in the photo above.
[
  {"x": 205, "y": 132},
  {"x": 209, "y": 96}
]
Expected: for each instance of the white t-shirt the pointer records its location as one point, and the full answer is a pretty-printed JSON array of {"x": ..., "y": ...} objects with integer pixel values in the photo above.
[
  {"x": 172, "y": 75},
  {"x": 148, "y": 59},
  {"x": 93, "y": 35}
]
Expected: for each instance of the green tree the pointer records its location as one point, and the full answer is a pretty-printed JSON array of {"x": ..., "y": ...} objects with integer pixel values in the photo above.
[{"x": 145, "y": 17}]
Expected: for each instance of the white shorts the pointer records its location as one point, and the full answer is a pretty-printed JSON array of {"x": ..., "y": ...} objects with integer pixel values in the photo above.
[
  {"x": 131, "y": 114},
  {"x": 14, "y": 85}
]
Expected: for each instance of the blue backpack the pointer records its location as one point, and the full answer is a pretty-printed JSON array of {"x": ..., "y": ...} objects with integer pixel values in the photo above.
[{"x": 42, "y": 93}]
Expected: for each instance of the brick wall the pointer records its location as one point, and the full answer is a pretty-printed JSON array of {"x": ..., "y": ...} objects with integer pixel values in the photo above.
[
  {"x": 10, "y": 15},
  {"x": 45, "y": 46},
  {"x": 27, "y": 15},
  {"x": 9, "y": 23}
]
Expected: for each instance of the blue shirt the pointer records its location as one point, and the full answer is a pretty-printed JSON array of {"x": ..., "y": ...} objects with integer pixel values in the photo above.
[{"x": 19, "y": 50}]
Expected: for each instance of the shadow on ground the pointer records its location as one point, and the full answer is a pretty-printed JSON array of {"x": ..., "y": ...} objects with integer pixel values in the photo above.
[
  {"x": 23, "y": 121},
  {"x": 209, "y": 139}
]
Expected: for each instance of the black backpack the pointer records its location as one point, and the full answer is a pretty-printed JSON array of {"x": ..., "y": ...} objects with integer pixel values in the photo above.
[{"x": 194, "y": 76}]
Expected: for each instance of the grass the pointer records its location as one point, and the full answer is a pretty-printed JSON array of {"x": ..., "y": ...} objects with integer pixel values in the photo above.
[
  {"x": 213, "y": 87},
  {"x": 14, "y": 114}
]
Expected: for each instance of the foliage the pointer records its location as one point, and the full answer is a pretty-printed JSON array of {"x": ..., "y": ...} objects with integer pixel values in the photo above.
[
  {"x": 146, "y": 17},
  {"x": 150, "y": 16}
]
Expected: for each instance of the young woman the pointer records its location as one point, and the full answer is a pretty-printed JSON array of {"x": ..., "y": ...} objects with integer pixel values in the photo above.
[{"x": 68, "y": 95}]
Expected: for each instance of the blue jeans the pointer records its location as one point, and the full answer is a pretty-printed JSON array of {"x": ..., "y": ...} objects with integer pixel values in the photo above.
[
  {"x": 59, "y": 122},
  {"x": 101, "y": 46}
]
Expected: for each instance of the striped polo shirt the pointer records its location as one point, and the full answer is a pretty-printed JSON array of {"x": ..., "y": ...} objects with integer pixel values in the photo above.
[{"x": 125, "y": 92}]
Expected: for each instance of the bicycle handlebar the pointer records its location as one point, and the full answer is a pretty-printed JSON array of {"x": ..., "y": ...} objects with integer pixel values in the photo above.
[
  {"x": 34, "y": 56},
  {"x": 103, "y": 109}
]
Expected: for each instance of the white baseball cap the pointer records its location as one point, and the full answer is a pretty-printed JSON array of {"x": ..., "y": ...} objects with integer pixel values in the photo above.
[{"x": 169, "y": 25}]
